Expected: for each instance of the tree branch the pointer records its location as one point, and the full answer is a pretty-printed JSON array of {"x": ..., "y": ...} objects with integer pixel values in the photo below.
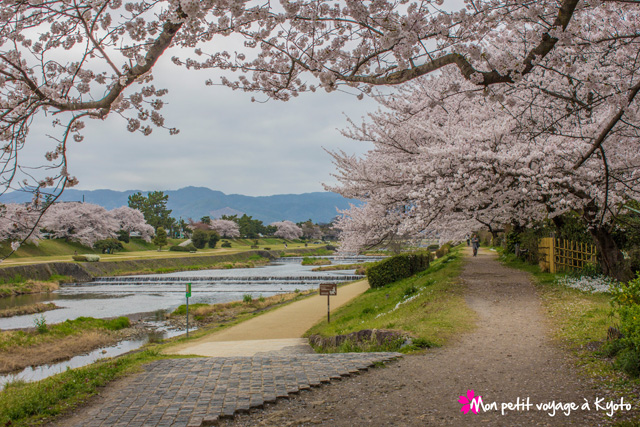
[{"x": 607, "y": 129}]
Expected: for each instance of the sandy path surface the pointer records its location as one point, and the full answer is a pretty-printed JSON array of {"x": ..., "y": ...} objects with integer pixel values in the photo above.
[
  {"x": 288, "y": 322},
  {"x": 509, "y": 356}
]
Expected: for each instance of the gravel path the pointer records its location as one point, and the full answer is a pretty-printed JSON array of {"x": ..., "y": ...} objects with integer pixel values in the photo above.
[{"x": 509, "y": 356}]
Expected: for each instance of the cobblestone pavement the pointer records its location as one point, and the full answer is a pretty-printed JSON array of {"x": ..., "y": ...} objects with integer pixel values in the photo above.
[{"x": 197, "y": 392}]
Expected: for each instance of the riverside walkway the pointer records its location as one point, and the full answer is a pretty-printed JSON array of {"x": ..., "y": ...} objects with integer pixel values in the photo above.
[{"x": 255, "y": 362}]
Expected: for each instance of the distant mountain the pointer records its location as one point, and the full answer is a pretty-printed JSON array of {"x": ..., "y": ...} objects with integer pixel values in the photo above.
[{"x": 196, "y": 202}]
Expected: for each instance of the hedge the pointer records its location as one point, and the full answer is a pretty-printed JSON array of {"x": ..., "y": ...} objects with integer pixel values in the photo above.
[
  {"x": 188, "y": 248},
  {"x": 397, "y": 267}
]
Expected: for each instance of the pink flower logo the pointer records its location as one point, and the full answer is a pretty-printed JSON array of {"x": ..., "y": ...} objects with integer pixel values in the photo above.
[{"x": 470, "y": 402}]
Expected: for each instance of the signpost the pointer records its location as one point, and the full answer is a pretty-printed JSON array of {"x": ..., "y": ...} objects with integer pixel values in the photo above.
[
  {"x": 328, "y": 289},
  {"x": 188, "y": 294}
]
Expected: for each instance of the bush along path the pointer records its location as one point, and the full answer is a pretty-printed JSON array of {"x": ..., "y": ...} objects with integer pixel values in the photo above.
[{"x": 508, "y": 361}]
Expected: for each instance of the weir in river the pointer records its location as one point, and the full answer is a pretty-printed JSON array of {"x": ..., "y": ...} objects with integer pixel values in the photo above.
[{"x": 249, "y": 280}]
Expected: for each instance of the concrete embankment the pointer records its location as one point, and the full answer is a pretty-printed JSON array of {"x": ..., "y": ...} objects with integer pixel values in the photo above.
[{"x": 86, "y": 271}]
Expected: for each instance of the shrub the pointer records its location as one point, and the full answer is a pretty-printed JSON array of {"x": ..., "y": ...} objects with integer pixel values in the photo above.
[
  {"x": 267, "y": 249},
  {"x": 160, "y": 239},
  {"x": 108, "y": 246},
  {"x": 182, "y": 310},
  {"x": 626, "y": 294},
  {"x": 625, "y": 298},
  {"x": 247, "y": 298},
  {"x": 225, "y": 245},
  {"x": 213, "y": 239},
  {"x": 628, "y": 360},
  {"x": 40, "y": 323},
  {"x": 118, "y": 323},
  {"x": 443, "y": 250},
  {"x": 331, "y": 248},
  {"x": 252, "y": 246},
  {"x": 397, "y": 267},
  {"x": 512, "y": 239},
  {"x": 123, "y": 236},
  {"x": 199, "y": 239},
  {"x": 188, "y": 248},
  {"x": 633, "y": 260},
  {"x": 87, "y": 258}
]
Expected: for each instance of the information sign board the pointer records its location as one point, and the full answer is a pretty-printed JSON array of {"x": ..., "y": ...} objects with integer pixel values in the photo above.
[{"x": 329, "y": 289}]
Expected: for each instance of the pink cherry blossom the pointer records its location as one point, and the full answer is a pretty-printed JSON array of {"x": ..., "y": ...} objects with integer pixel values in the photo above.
[{"x": 287, "y": 230}]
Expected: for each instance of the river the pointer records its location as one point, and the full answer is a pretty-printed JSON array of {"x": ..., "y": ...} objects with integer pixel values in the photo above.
[{"x": 127, "y": 295}]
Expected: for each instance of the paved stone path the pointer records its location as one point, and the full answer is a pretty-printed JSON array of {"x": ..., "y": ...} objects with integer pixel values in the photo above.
[{"x": 197, "y": 392}]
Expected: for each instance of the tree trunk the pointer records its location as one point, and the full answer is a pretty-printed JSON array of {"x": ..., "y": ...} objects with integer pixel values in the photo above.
[{"x": 610, "y": 256}]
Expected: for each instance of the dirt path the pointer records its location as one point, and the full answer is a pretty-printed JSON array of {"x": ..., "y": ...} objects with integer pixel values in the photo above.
[
  {"x": 290, "y": 321},
  {"x": 509, "y": 356}
]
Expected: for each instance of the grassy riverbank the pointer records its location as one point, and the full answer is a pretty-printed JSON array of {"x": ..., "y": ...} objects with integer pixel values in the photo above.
[
  {"x": 429, "y": 306},
  {"x": 52, "y": 343},
  {"x": 60, "y": 250},
  {"x": 27, "y": 309},
  {"x": 580, "y": 321},
  {"x": 18, "y": 285}
]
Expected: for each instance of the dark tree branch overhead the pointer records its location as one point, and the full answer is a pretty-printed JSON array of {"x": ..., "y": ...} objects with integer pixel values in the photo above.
[{"x": 545, "y": 46}]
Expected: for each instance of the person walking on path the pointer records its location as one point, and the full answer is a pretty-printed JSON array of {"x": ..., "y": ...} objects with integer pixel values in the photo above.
[{"x": 475, "y": 242}]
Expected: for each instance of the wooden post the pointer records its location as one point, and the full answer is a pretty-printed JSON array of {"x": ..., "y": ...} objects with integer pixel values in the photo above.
[{"x": 328, "y": 289}]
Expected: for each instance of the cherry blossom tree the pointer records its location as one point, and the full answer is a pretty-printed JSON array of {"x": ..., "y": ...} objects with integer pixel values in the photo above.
[
  {"x": 588, "y": 46},
  {"x": 443, "y": 157},
  {"x": 132, "y": 220},
  {"x": 84, "y": 223},
  {"x": 310, "y": 230},
  {"x": 225, "y": 228},
  {"x": 16, "y": 225},
  {"x": 86, "y": 60},
  {"x": 287, "y": 230},
  {"x": 573, "y": 62}
]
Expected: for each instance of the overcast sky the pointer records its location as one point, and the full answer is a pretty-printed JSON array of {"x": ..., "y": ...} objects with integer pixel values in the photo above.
[{"x": 226, "y": 142}]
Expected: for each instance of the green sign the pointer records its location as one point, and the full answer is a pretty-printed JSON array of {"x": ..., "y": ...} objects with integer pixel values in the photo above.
[{"x": 188, "y": 290}]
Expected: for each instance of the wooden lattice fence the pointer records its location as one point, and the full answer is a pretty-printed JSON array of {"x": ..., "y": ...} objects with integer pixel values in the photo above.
[{"x": 561, "y": 255}]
